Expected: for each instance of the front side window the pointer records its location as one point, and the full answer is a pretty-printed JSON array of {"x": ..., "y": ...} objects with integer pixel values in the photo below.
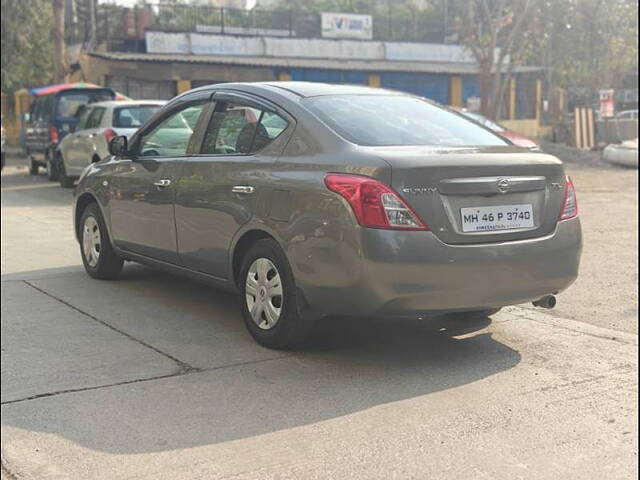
[
  {"x": 379, "y": 120},
  {"x": 237, "y": 129},
  {"x": 171, "y": 137}
]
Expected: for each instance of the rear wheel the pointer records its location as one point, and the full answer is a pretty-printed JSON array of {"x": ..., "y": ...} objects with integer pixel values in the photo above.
[
  {"x": 98, "y": 257},
  {"x": 268, "y": 297},
  {"x": 52, "y": 169},
  {"x": 65, "y": 181},
  {"x": 34, "y": 167}
]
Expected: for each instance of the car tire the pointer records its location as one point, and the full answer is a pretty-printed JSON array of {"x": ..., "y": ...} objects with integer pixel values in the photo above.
[
  {"x": 271, "y": 318},
  {"x": 65, "y": 181},
  {"x": 34, "y": 167},
  {"x": 99, "y": 259},
  {"x": 52, "y": 169}
]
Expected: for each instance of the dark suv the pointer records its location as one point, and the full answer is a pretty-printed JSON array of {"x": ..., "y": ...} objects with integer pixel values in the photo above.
[{"x": 51, "y": 116}]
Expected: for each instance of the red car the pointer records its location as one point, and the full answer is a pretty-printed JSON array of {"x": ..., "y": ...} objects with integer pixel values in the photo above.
[{"x": 514, "y": 137}]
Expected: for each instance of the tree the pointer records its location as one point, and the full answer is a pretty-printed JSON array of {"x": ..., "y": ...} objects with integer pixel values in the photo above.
[
  {"x": 26, "y": 44},
  {"x": 590, "y": 43},
  {"x": 61, "y": 67},
  {"x": 498, "y": 33}
]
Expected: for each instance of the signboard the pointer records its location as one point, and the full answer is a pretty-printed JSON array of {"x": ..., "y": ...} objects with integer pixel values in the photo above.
[
  {"x": 473, "y": 104},
  {"x": 347, "y": 25},
  {"x": 607, "y": 106}
]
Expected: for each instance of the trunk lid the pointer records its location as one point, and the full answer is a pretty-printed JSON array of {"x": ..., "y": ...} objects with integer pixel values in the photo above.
[{"x": 447, "y": 187}]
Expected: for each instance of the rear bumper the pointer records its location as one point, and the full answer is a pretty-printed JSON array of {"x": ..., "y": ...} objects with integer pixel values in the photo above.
[{"x": 395, "y": 273}]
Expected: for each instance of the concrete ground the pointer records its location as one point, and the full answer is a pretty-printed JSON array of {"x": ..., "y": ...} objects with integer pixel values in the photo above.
[{"x": 154, "y": 376}]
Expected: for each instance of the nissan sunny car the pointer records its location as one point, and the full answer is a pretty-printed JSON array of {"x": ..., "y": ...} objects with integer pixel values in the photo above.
[{"x": 312, "y": 200}]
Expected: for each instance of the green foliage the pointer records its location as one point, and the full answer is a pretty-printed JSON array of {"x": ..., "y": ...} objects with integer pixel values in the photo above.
[
  {"x": 590, "y": 43},
  {"x": 27, "y": 48}
]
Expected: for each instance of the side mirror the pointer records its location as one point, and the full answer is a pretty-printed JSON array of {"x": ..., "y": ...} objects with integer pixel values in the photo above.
[{"x": 118, "y": 146}]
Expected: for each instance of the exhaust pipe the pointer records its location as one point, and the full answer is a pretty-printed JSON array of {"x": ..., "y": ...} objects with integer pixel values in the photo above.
[{"x": 548, "y": 301}]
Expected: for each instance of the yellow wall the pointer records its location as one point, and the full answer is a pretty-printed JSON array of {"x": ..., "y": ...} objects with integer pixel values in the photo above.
[
  {"x": 512, "y": 99},
  {"x": 528, "y": 127},
  {"x": 183, "y": 86},
  {"x": 12, "y": 118},
  {"x": 455, "y": 97}
]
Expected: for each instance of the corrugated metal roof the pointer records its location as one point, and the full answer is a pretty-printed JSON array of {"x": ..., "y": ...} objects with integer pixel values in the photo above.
[{"x": 366, "y": 65}]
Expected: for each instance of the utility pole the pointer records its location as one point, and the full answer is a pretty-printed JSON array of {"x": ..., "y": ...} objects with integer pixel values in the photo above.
[
  {"x": 92, "y": 20},
  {"x": 445, "y": 20},
  {"x": 57, "y": 33}
]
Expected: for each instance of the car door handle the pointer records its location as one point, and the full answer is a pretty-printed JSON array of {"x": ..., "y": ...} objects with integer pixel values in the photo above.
[
  {"x": 162, "y": 183},
  {"x": 242, "y": 189}
]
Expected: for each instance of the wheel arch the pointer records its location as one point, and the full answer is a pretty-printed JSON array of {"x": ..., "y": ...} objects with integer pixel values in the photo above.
[
  {"x": 81, "y": 204},
  {"x": 242, "y": 246}
]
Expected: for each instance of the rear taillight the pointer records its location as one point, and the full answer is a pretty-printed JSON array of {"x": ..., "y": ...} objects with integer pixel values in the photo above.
[
  {"x": 53, "y": 134},
  {"x": 570, "y": 204},
  {"x": 374, "y": 204},
  {"x": 109, "y": 133}
]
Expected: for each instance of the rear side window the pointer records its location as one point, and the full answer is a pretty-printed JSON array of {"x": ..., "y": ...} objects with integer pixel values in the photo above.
[
  {"x": 82, "y": 119},
  {"x": 241, "y": 129},
  {"x": 133, "y": 116},
  {"x": 379, "y": 120},
  {"x": 40, "y": 109},
  {"x": 95, "y": 118},
  {"x": 69, "y": 102},
  {"x": 172, "y": 136}
]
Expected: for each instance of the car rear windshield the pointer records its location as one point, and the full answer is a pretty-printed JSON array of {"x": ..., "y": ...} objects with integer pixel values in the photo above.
[
  {"x": 68, "y": 103},
  {"x": 133, "y": 116},
  {"x": 380, "y": 120}
]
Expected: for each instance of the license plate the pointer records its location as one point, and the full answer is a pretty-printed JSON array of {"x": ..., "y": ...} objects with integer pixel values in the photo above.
[{"x": 497, "y": 218}]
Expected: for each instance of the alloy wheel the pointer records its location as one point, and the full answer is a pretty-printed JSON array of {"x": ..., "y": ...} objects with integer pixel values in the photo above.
[
  {"x": 91, "y": 241},
  {"x": 263, "y": 293}
]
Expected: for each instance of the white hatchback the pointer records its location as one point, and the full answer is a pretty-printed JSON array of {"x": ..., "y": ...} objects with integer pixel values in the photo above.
[{"x": 97, "y": 124}]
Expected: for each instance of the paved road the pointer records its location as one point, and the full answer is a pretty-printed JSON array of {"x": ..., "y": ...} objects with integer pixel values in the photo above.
[{"x": 154, "y": 377}]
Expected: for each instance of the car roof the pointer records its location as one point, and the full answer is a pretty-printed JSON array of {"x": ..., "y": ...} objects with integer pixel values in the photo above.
[
  {"x": 298, "y": 89},
  {"x": 125, "y": 103},
  {"x": 313, "y": 89}
]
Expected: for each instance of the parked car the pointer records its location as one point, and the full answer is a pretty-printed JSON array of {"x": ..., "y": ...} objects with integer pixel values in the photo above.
[
  {"x": 356, "y": 201},
  {"x": 52, "y": 115},
  {"x": 624, "y": 154},
  {"x": 514, "y": 137},
  {"x": 627, "y": 115},
  {"x": 97, "y": 124}
]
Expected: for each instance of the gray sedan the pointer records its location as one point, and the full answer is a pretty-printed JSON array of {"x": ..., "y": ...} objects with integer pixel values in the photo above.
[{"x": 312, "y": 200}]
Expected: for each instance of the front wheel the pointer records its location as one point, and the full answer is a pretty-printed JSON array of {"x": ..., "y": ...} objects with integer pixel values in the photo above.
[
  {"x": 98, "y": 257},
  {"x": 268, "y": 298}
]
